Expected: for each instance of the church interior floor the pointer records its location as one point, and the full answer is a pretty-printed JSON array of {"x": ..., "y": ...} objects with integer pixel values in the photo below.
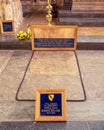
[
  {"x": 13, "y": 64},
  {"x": 40, "y": 19}
]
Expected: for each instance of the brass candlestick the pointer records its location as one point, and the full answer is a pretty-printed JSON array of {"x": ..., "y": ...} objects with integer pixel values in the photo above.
[{"x": 49, "y": 15}]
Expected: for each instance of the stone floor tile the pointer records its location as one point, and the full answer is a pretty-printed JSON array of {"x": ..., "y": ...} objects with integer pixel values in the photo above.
[
  {"x": 49, "y": 69},
  {"x": 62, "y": 126},
  {"x": 5, "y": 56},
  {"x": 17, "y": 111},
  {"x": 17, "y": 126},
  {"x": 25, "y": 111},
  {"x": 92, "y": 69},
  {"x": 96, "y": 125},
  {"x": 85, "y": 111},
  {"x": 44, "y": 126},
  {"x": 13, "y": 74}
]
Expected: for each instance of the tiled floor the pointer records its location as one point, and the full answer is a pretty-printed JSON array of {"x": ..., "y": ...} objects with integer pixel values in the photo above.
[{"x": 12, "y": 70}]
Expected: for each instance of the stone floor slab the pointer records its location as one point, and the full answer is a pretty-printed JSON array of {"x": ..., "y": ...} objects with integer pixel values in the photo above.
[
  {"x": 85, "y": 111},
  {"x": 92, "y": 68},
  {"x": 25, "y": 111},
  {"x": 13, "y": 74},
  {"x": 96, "y": 125},
  {"x": 52, "y": 70},
  {"x": 91, "y": 63},
  {"x": 5, "y": 56},
  {"x": 17, "y": 111},
  {"x": 44, "y": 126}
]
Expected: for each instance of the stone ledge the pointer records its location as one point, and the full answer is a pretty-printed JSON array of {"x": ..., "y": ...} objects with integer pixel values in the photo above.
[{"x": 84, "y": 43}]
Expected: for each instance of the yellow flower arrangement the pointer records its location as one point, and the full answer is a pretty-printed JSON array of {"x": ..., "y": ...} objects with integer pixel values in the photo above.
[{"x": 23, "y": 35}]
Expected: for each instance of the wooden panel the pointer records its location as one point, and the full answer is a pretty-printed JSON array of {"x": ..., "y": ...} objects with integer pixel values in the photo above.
[{"x": 54, "y": 32}]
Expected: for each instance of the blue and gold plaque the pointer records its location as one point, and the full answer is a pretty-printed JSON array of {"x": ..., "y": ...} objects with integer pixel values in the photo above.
[
  {"x": 7, "y": 27},
  {"x": 50, "y": 105},
  {"x": 54, "y": 37},
  {"x": 54, "y": 42}
]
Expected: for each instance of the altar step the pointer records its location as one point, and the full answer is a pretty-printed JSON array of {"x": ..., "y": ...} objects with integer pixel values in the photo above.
[
  {"x": 81, "y": 14},
  {"x": 9, "y": 42},
  {"x": 91, "y": 22},
  {"x": 88, "y": 5},
  {"x": 81, "y": 18}
]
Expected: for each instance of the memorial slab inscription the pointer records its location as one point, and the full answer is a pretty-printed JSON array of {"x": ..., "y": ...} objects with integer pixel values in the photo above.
[
  {"x": 50, "y": 105},
  {"x": 54, "y": 37},
  {"x": 7, "y": 27},
  {"x": 54, "y": 42}
]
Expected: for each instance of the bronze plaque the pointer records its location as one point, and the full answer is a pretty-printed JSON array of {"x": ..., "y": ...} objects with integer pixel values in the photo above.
[
  {"x": 46, "y": 37},
  {"x": 50, "y": 105}
]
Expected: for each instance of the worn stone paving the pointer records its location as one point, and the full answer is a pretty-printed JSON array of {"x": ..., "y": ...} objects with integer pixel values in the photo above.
[
  {"x": 52, "y": 70},
  {"x": 11, "y": 76},
  {"x": 45, "y": 126},
  {"x": 4, "y": 59},
  {"x": 91, "y": 63},
  {"x": 79, "y": 125}
]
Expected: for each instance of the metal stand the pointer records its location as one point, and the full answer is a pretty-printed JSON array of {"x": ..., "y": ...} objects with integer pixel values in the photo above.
[{"x": 49, "y": 15}]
